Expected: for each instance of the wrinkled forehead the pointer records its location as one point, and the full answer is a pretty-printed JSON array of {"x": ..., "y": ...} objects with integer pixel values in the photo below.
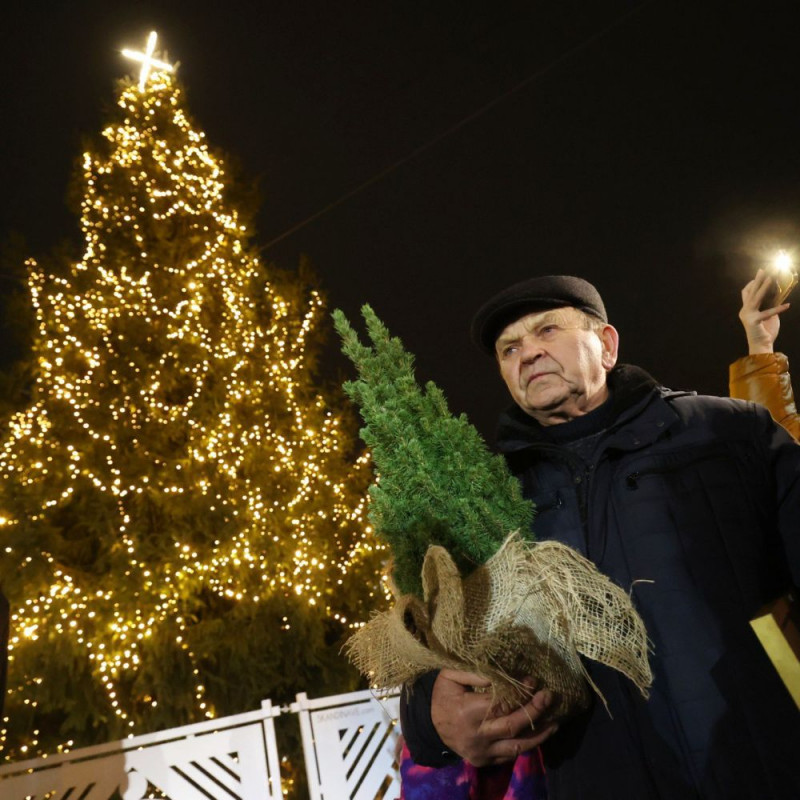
[{"x": 566, "y": 316}]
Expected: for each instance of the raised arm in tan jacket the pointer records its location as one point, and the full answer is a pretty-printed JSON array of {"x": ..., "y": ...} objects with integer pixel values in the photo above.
[{"x": 764, "y": 378}]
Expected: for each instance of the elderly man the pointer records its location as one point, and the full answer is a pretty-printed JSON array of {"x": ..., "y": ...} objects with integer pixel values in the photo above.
[{"x": 692, "y": 503}]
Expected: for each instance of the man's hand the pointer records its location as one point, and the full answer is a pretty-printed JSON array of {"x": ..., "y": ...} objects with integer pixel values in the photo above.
[
  {"x": 470, "y": 727},
  {"x": 761, "y": 327}
]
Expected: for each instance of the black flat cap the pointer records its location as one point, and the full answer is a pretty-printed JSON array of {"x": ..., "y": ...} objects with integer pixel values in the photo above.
[{"x": 534, "y": 294}]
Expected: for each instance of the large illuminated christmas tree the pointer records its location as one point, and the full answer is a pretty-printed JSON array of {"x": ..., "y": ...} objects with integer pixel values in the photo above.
[{"x": 183, "y": 524}]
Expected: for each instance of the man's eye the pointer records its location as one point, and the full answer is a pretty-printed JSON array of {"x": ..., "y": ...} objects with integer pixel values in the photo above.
[
  {"x": 548, "y": 330},
  {"x": 509, "y": 350}
]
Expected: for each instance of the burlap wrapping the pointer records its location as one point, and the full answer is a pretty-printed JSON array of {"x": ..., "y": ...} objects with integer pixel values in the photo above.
[{"x": 530, "y": 610}]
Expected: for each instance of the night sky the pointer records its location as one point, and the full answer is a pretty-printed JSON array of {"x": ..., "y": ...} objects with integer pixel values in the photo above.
[{"x": 653, "y": 148}]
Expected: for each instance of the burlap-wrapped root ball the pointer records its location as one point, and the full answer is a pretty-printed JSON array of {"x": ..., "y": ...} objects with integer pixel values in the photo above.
[{"x": 531, "y": 609}]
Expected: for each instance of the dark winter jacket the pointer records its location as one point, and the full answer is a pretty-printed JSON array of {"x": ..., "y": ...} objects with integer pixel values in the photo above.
[{"x": 692, "y": 503}]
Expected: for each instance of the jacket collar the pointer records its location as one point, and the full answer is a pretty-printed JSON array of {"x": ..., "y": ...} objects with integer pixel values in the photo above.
[{"x": 633, "y": 395}]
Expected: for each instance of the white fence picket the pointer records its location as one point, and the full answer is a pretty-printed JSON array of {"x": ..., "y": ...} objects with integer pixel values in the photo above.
[{"x": 350, "y": 745}]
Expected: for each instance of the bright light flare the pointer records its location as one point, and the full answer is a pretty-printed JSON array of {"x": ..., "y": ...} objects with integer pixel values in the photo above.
[
  {"x": 147, "y": 60},
  {"x": 783, "y": 262}
]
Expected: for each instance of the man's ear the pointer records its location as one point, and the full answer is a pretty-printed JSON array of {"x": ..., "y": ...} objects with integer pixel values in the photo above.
[{"x": 610, "y": 341}]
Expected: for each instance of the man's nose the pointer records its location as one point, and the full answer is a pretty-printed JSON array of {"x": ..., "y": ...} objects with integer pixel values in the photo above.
[{"x": 531, "y": 349}]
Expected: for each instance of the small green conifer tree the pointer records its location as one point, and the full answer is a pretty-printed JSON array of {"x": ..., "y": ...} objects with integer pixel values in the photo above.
[{"x": 439, "y": 483}]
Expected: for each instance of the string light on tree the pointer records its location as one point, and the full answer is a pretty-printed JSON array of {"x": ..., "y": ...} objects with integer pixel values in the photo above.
[{"x": 183, "y": 510}]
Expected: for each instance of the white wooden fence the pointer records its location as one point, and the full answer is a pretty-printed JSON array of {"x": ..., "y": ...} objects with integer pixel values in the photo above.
[{"x": 349, "y": 746}]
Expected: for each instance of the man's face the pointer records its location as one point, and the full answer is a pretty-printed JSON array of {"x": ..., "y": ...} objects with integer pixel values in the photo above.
[{"x": 554, "y": 366}]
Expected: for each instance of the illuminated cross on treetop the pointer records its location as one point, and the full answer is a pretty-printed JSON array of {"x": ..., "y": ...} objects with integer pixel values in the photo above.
[{"x": 148, "y": 62}]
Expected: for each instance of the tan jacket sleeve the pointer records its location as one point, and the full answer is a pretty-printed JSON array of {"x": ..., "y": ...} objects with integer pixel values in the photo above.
[{"x": 765, "y": 379}]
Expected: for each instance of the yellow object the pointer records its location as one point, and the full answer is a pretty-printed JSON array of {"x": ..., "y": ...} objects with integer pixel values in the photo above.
[{"x": 778, "y": 632}]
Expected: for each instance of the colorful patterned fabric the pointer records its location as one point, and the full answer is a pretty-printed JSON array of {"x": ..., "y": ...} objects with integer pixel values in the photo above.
[{"x": 522, "y": 780}]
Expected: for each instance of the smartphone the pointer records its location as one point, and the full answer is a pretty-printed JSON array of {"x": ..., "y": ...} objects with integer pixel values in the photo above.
[{"x": 783, "y": 281}]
